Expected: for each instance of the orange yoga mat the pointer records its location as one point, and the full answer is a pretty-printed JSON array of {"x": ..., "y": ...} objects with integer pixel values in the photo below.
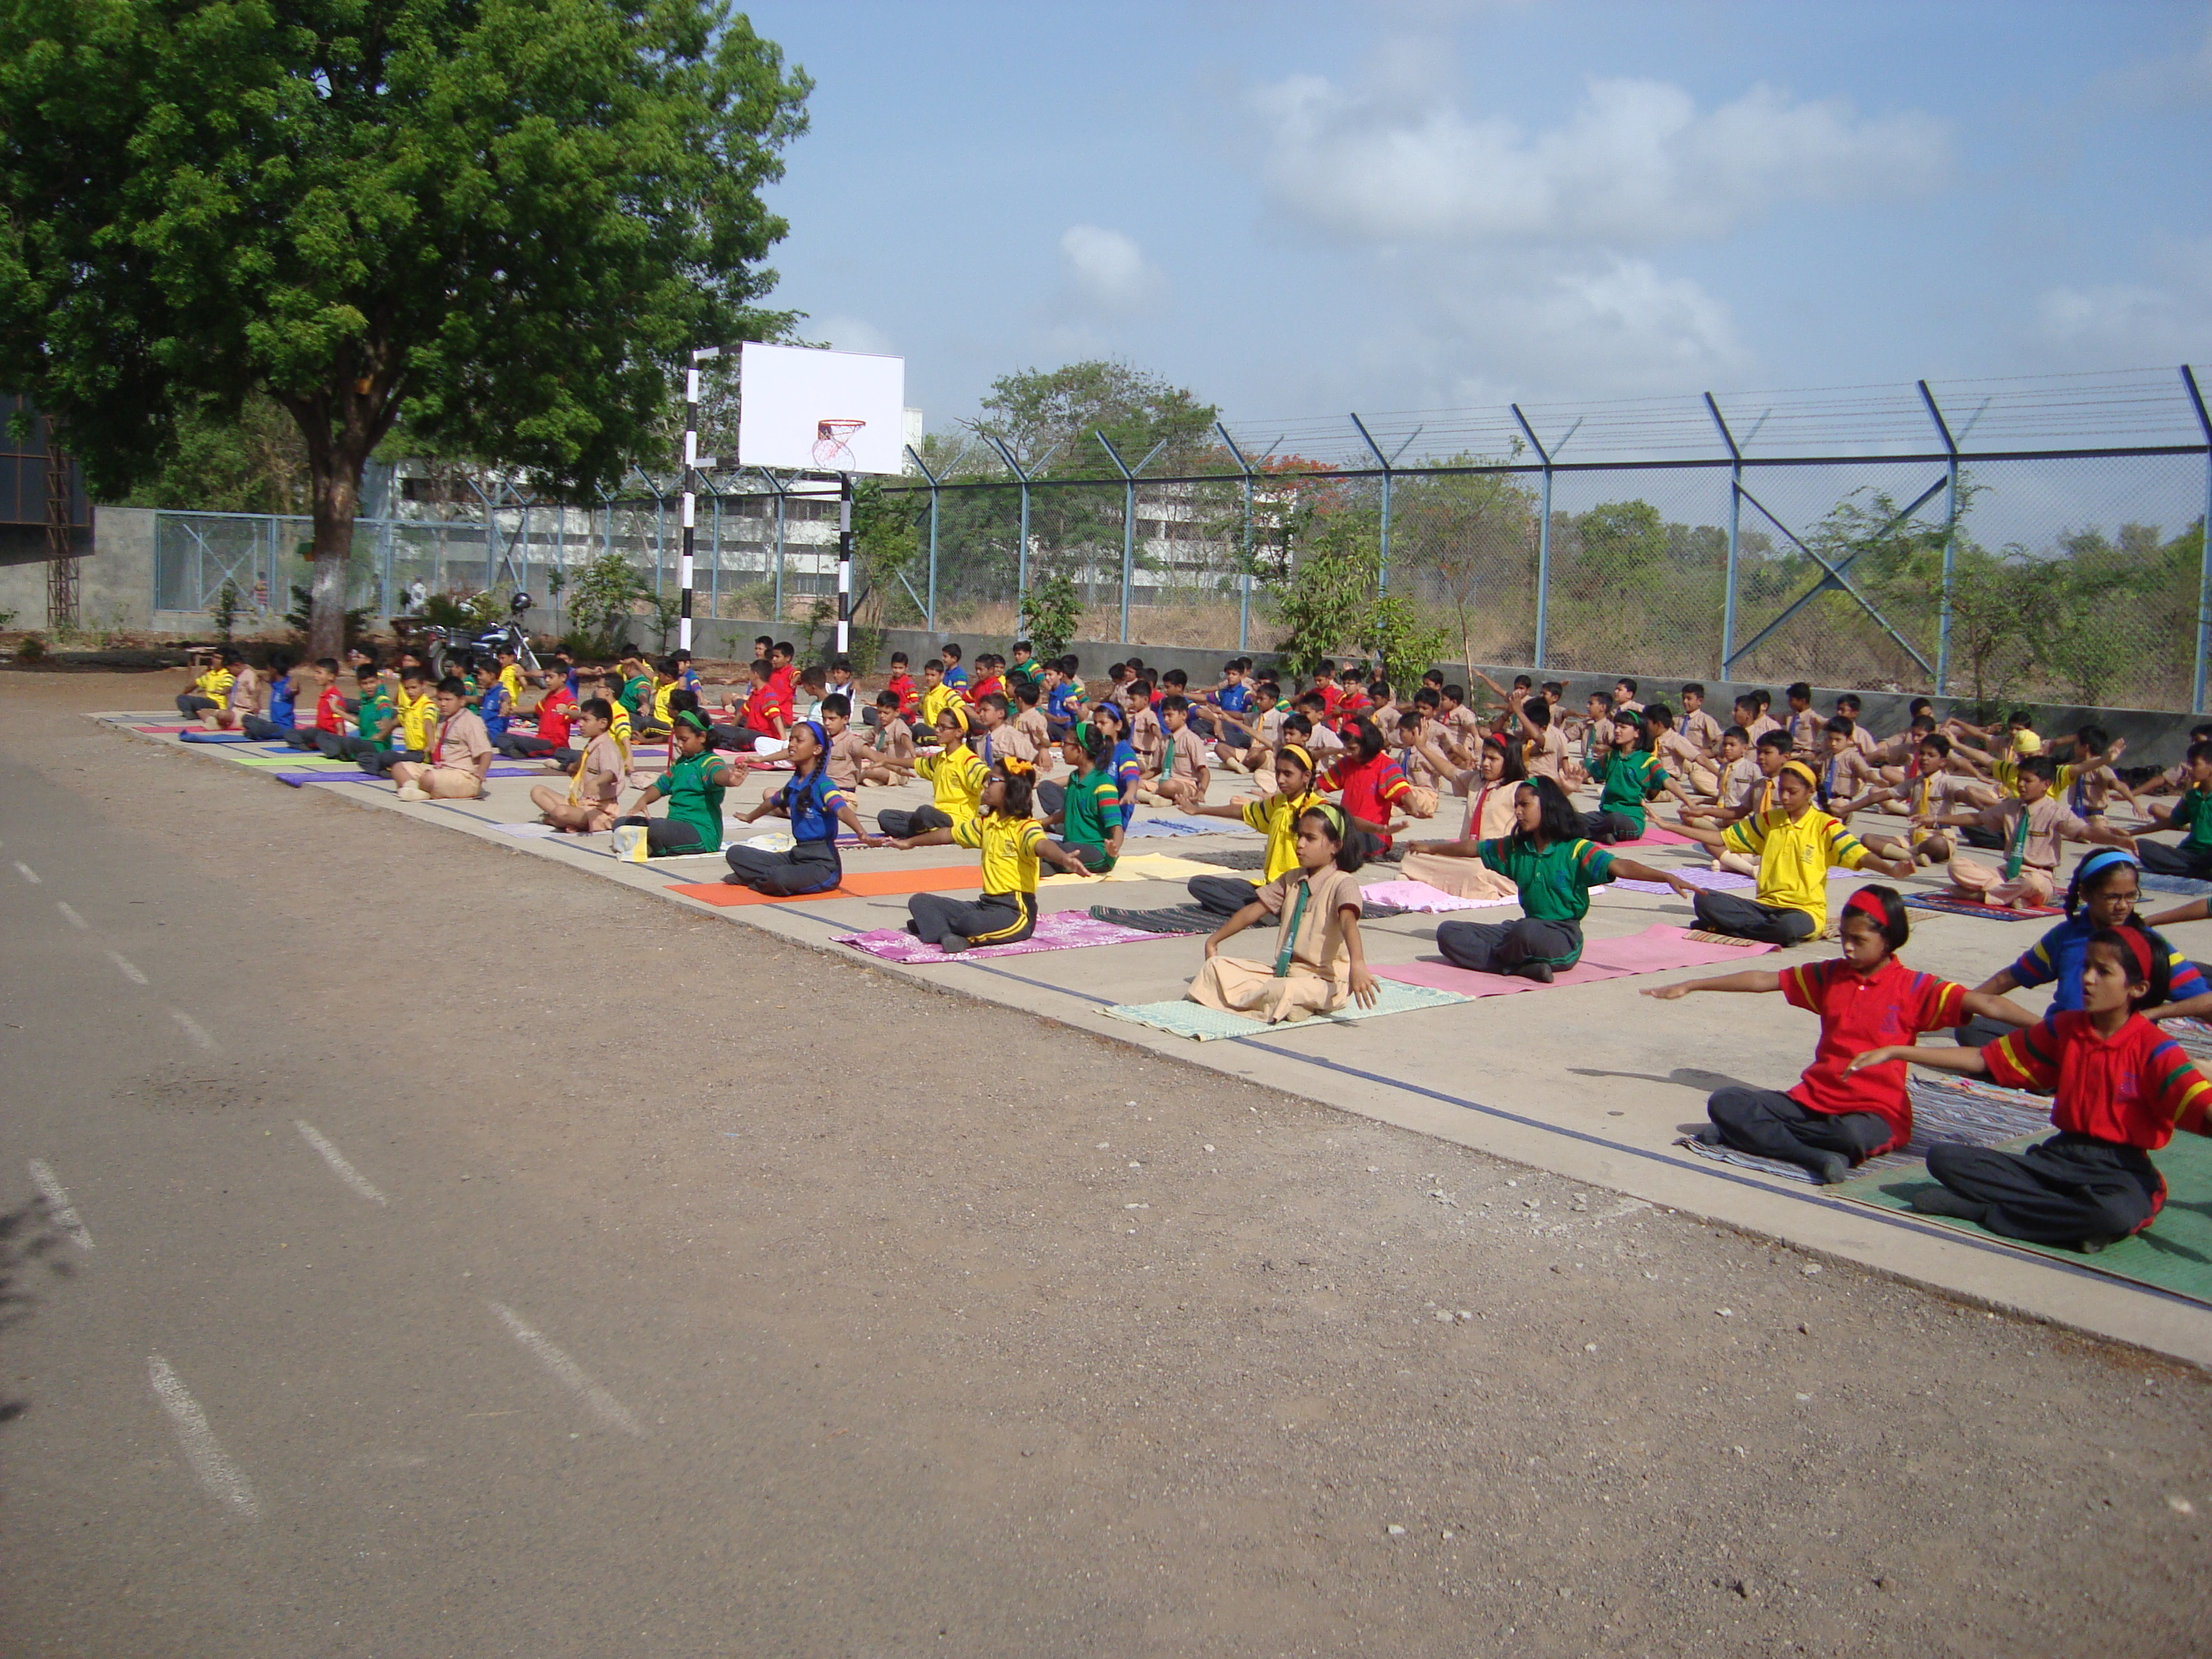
[{"x": 858, "y": 884}]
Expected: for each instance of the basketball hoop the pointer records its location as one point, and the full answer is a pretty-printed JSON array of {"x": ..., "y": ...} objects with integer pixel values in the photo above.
[{"x": 832, "y": 447}]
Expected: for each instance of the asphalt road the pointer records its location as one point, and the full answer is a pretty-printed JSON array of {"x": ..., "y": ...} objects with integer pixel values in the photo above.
[{"x": 468, "y": 1257}]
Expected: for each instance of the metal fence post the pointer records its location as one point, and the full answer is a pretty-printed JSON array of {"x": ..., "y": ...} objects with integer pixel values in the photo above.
[
  {"x": 1950, "y": 540},
  {"x": 1390, "y": 465},
  {"x": 2204, "y": 547},
  {"x": 1734, "y": 536},
  {"x": 1543, "y": 539},
  {"x": 1128, "y": 517}
]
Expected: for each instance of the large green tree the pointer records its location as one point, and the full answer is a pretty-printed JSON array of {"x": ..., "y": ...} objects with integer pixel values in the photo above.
[{"x": 505, "y": 220}]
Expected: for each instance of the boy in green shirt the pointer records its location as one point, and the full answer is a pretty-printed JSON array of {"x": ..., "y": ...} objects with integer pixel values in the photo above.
[{"x": 2192, "y": 814}]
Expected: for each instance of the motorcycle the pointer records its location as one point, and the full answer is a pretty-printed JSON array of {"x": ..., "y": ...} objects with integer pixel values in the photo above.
[{"x": 442, "y": 645}]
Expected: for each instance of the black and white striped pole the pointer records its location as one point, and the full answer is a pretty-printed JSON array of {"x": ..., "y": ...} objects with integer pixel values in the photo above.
[
  {"x": 844, "y": 564},
  {"x": 694, "y": 462}
]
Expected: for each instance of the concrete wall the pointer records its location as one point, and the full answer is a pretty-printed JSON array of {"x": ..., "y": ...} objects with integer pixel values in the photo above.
[{"x": 115, "y": 578}]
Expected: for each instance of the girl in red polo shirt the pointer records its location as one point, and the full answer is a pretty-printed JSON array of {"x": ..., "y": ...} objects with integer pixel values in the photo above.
[
  {"x": 1847, "y": 1108},
  {"x": 1373, "y": 785},
  {"x": 2122, "y": 1087}
]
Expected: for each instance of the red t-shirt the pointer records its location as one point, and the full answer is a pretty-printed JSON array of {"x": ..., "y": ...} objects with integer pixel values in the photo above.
[
  {"x": 554, "y": 712},
  {"x": 763, "y": 704},
  {"x": 1331, "y": 694},
  {"x": 330, "y": 711},
  {"x": 1858, "y": 1011},
  {"x": 1367, "y": 786},
  {"x": 901, "y": 686},
  {"x": 2133, "y": 1088},
  {"x": 984, "y": 687}
]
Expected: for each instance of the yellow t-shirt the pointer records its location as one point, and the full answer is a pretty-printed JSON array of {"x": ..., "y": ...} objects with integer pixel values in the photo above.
[
  {"x": 216, "y": 684},
  {"x": 934, "y": 700},
  {"x": 2007, "y": 773},
  {"x": 1794, "y": 857},
  {"x": 1009, "y": 846},
  {"x": 660, "y": 716},
  {"x": 418, "y": 717},
  {"x": 957, "y": 776},
  {"x": 1276, "y": 816},
  {"x": 510, "y": 677}
]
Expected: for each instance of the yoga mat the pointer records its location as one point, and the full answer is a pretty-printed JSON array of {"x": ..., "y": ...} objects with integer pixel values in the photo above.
[
  {"x": 1168, "y": 823},
  {"x": 1711, "y": 881},
  {"x": 1402, "y": 896},
  {"x": 186, "y": 735},
  {"x": 346, "y": 772},
  {"x": 863, "y": 884},
  {"x": 1654, "y": 951},
  {"x": 1987, "y": 912},
  {"x": 2175, "y": 1254},
  {"x": 1184, "y": 919},
  {"x": 1238, "y": 858},
  {"x": 1965, "y": 1110},
  {"x": 1143, "y": 867},
  {"x": 2188, "y": 886},
  {"x": 1658, "y": 835},
  {"x": 1204, "y": 1025},
  {"x": 1056, "y": 930}
]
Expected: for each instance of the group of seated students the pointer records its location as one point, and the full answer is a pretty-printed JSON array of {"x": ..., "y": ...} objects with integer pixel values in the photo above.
[{"x": 1342, "y": 766}]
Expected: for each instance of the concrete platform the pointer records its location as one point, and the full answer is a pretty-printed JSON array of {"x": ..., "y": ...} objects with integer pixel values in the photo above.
[{"x": 1593, "y": 1082}]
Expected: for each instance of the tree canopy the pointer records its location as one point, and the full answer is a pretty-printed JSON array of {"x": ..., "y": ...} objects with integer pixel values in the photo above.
[
  {"x": 506, "y": 220},
  {"x": 1048, "y": 417}
]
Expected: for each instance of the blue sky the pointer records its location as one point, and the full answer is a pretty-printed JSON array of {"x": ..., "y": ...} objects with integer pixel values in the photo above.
[{"x": 1301, "y": 209}]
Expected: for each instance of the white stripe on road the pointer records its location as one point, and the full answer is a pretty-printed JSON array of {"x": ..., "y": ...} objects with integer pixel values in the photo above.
[
  {"x": 58, "y": 1207},
  {"x": 336, "y": 1160},
  {"x": 223, "y": 1478},
  {"x": 567, "y": 1373},
  {"x": 192, "y": 1028},
  {"x": 27, "y": 872},
  {"x": 129, "y": 972},
  {"x": 74, "y": 920}
]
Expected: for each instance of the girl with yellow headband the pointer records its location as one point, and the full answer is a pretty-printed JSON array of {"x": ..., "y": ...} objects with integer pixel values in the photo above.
[
  {"x": 955, "y": 775},
  {"x": 1275, "y": 816},
  {"x": 1319, "y": 961},
  {"x": 1012, "y": 843},
  {"x": 1795, "y": 845}
]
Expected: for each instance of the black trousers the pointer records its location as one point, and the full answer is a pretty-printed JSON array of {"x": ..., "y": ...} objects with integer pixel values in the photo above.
[
  {"x": 1050, "y": 798},
  {"x": 189, "y": 704},
  {"x": 378, "y": 762},
  {"x": 811, "y": 867},
  {"x": 1507, "y": 947},
  {"x": 739, "y": 737},
  {"x": 899, "y": 825},
  {"x": 1606, "y": 827},
  {"x": 342, "y": 745},
  {"x": 955, "y": 923},
  {"x": 521, "y": 745},
  {"x": 666, "y": 836},
  {"x": 1980, "y": 1032},
  {"x": 1768, "y": 1122},
  {"x": 262, "y": 729},
  {"x": 2164, "y": 860},
  {"x": 2060, "y": 1191},
  {"x": 1222, "y": 896},
  {"x": 1096, "y": 858},
  {"x": 1770, "y": 924},
  {"x": 309, "y": 738}
]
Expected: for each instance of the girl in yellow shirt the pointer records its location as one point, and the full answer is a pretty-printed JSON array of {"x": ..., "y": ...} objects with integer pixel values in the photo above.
[
  {"x": 1012, "y": 843},
  {"x": 955, "y": 775}
]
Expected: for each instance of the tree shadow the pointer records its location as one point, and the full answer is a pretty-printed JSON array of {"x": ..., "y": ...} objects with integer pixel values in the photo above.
[{"x": 28, "y": 1240}]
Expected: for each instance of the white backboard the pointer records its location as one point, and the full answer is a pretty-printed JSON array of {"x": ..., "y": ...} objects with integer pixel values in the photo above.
[{"x": 804, "y": 411}]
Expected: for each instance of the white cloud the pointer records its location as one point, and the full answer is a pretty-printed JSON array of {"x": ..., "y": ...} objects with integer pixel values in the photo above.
[
  {"x": 1107, "y": 273},
  {"x": 852, "y": 334},
  {"x": 2137, "y": 324},
  {"x": 1637, "y": 164}
]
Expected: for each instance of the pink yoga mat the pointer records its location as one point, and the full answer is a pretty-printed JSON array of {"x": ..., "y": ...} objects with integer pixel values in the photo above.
[
  {"x": 1059, "y": 930},
  {"x": 1658, "y": 835},
  {"x": 1653, "y": 950}
]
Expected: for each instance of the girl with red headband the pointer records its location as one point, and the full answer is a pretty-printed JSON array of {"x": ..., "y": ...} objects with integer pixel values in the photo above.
[
  {"x": 1837, "y": 1117},
  {"x": 2121, "y": 1088}
]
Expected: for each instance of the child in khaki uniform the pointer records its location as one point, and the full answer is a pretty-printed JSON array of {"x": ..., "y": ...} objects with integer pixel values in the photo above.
[{"x": 1319, "y": 961}]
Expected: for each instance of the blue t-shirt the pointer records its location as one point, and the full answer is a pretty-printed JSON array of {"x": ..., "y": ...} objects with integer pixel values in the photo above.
[
  {"x": 280, "y": 701},
  {"x": 955, "y": 675},
  {"x": 1235, "y": 698},
  {"x": 2057, "y": 956},
  {"x": 1057, "y": 700},
  {"x": 812, "y": 802},
  {"x": 493, "y": 707}
]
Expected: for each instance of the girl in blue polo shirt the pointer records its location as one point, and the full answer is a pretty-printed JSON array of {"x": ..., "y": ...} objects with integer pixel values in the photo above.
[{"x": 815, "y": 808}]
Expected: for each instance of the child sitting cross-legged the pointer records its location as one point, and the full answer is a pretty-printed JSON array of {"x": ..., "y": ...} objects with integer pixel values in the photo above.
[
  {"x": 1275, "y": 816},
  {"x": 1319, "y": 962},
  {"x": 1456, "y": 867},
  {"x": 693, "y": 786},
  {"x": 1836, "y": 1118},
  {"x": 814, "y": 805},
  {"x": 588, "y": 805},
  {"x": 2121, "y": 1088},
  {"x": 1012, "y": 843},
  {"x": 458, "y": 756},
  {"x": 2030, "y": 826},
  {"x": 1797, "y": 845},
  {"x": 1087, "y": 811}
]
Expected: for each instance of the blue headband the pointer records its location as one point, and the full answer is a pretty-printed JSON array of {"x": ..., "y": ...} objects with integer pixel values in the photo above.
[{"x": 2104, "y": 859}]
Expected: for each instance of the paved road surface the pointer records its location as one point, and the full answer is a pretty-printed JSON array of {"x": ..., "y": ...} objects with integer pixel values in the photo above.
[{"x": 470, "y": 1258}]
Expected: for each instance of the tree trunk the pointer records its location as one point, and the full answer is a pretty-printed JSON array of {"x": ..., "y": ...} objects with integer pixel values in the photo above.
[{"x": 336, "y": 503}]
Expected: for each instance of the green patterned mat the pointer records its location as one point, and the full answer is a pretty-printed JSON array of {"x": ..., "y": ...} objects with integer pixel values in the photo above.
[
  {"x": 1204, "y": 1025},
  {"x": 2175, "y": 1255}
]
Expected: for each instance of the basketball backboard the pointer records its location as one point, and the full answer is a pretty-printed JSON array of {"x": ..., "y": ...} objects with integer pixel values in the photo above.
[{"x": 804, "y": 411}]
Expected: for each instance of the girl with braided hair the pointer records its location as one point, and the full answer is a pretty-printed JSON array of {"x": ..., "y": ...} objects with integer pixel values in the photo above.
[
  {"x": 815, "y": 808},
  {"x": 1012, "y": 843},
  {"x": 1319, "y": 961}
]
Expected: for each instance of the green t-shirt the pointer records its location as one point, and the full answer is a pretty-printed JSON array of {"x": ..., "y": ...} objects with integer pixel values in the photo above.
[
  {"x": 374, "y": 710},
  {"x": 1093, "y": 811},
  {"x": 1555, "y": 880},
  {"x": 1630, "y": 780},
  {"x": 2193, "y": 812},
  {"x": 692, "y": 799},
  {"x": 637, "y": 697}
]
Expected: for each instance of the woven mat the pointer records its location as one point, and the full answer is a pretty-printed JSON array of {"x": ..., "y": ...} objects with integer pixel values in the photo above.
[
  {"x": 2188, "y": 886},
  {"x": 1057, "y": 930},
  {"x": 1175, "y": 919},
  {"x": 1944, "y": 1109},
  {"x": 1143, "y": 867},
  {"x": 1711, "y": 881},
  {"x": 1204, "y": 1025},
  {"x": 1238, "y": 858},
  {"x": 1168, "y": 824},
  {"x": 1396, "y": 897},
  {"x": 1987, "y": 912}
]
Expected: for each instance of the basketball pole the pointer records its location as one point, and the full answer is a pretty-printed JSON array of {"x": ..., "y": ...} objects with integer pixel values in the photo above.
[
  {"x": 685, "y": 569},
  {"x": 844, "y": 564}
]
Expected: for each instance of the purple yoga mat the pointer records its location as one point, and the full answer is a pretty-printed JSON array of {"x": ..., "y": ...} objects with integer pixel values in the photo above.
[
  {"x": 1060, "y": 930},
  {"x": 295, "y": 778}
]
